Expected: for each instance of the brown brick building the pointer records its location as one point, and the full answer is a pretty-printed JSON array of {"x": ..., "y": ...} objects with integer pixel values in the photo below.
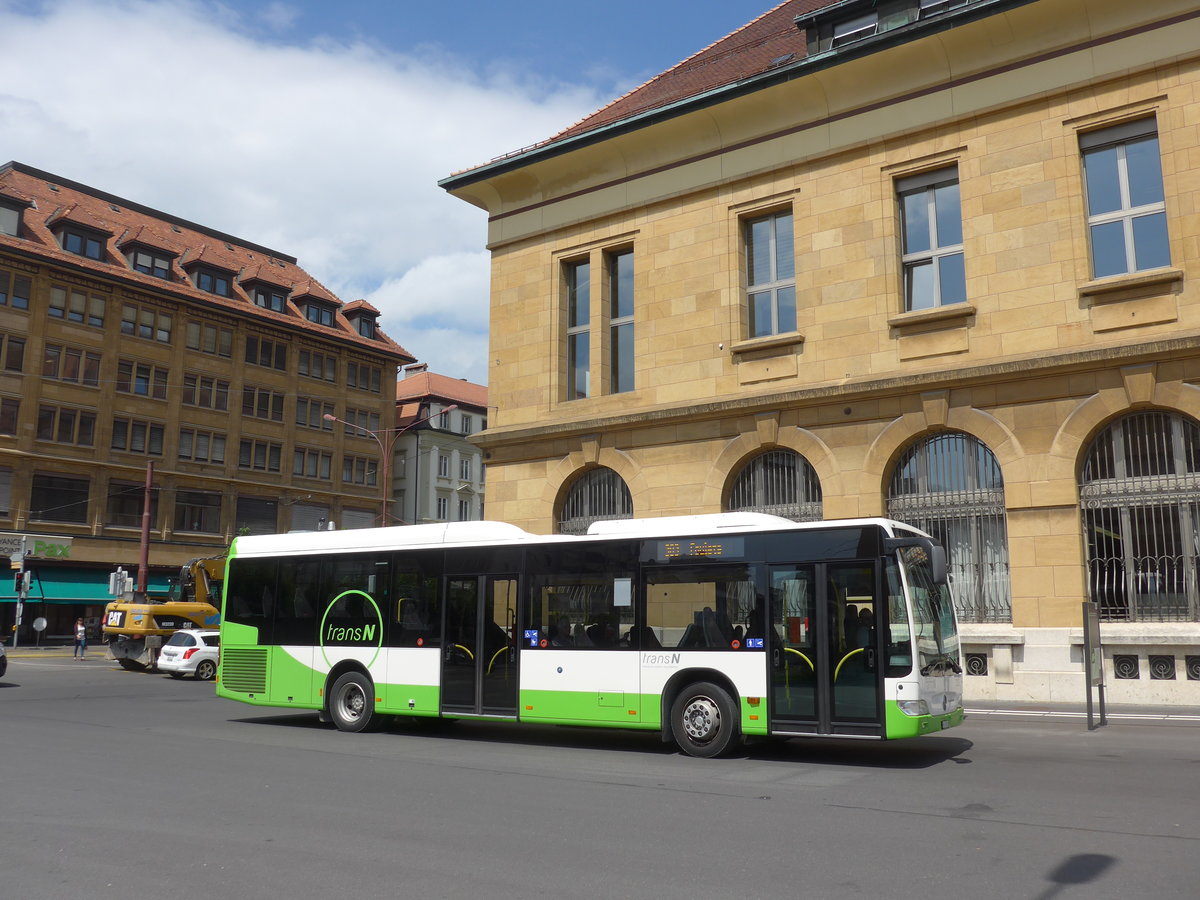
[
  {"x": 129, "y": 336},
  {"x": 933, "y": 259}
]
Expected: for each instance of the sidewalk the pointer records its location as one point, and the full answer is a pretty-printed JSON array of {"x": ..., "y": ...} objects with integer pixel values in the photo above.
[{"x": 54, "y": 651}]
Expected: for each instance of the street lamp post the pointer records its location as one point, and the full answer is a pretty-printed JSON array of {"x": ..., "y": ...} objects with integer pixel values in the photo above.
[{"x": 386, "y": 439}]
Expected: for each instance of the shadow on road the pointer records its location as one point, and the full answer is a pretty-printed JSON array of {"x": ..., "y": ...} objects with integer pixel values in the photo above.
[{"x": 916, "y": 753}]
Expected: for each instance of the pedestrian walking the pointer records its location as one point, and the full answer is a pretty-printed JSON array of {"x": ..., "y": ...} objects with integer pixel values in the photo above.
[{"x": 80, "y": 639}]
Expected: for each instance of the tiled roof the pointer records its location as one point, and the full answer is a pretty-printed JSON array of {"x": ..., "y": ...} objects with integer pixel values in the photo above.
[
  {"x": 129, "y": 222},
  {"x": 359, "y": 305},
  {"x": 430, "y": 384},
  {"x": 768, "y": 42}
]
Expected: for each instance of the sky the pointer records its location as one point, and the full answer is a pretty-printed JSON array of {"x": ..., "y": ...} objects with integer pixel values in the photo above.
[{"x": 320, "y": 128}]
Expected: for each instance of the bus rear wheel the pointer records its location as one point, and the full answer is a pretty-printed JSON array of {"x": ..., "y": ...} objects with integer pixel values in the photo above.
[
  {"x": 352, "y": 702},
  {"x": 704, "y": 720}
]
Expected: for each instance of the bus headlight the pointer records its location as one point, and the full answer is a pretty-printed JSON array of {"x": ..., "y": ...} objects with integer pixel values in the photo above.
[{"x": 913, "y": 707}]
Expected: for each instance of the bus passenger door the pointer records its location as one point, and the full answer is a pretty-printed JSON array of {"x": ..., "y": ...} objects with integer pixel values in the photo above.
[
  {"x": 479, "y": 656},
  {"x": 822, "y": 650}
]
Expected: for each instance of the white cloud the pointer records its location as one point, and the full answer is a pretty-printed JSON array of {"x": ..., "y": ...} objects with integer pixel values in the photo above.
[{"x": 329, "y": 152}]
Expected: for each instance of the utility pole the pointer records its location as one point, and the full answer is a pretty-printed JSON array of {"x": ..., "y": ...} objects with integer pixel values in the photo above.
[
  {"x": 143, "y": 575},
  {"x": 21, "y": 581}
]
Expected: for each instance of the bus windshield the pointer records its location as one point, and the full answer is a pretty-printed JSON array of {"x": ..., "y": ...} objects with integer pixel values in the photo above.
[{"x": 933, "y": 616}]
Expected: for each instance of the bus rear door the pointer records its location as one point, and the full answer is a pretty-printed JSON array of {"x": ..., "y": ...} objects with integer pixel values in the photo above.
[{"x": 479, "y": 656}]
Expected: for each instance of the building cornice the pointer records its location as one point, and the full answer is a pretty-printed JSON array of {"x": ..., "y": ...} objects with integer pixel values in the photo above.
[{"x": 1041, "y": 365}]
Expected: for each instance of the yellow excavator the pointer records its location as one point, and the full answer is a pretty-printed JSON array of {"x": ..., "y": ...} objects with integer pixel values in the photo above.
[{"x": 136, "y": 630}]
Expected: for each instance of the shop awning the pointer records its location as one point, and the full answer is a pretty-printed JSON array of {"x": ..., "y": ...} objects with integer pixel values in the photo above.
[{"x": 73, "y": 585}]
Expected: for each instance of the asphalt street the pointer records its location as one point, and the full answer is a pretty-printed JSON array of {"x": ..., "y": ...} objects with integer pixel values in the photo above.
[{"x": 126, "y": 785}]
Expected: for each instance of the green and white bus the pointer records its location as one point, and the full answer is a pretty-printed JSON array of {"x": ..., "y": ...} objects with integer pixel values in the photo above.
[{"x": 707, "y": 629}]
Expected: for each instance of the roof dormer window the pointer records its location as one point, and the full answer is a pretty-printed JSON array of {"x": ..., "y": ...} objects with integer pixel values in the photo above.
[
  {"x": 10, "y": 219},
  {"x": 213, "y": 281},
  {"x": 849, "y": 30},
  {"x": 149, "y": 262},
  {"x": 269, "y": 297},
  {"x": 320, "y": 313},
  {"x": 366, "y": 326},
  {"x": 82, "y": 242}
]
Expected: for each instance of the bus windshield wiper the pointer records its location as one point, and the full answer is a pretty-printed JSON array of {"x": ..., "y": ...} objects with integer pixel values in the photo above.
[{"x": 941, "y": 662}]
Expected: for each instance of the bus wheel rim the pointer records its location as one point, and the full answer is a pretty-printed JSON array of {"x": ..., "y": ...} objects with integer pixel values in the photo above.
[
  {"x": 701, "y": 719},
  {"x": 353, "y": 701}
]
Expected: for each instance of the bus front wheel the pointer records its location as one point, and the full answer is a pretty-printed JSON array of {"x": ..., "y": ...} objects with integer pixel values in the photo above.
[
  {"x": 704, "y": 720},
  {"x": 352, "y": 702}
]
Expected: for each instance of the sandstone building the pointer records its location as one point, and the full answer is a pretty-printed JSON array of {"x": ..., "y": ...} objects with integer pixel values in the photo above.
[{"x": 932, "y": 259}]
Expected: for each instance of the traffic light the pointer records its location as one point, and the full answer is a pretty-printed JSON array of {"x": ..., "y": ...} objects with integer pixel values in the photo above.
[{"x": 21, "y": 582}]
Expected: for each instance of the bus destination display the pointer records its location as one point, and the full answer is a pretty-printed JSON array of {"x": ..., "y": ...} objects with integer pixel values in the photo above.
[{"x": 700, "y": 548}]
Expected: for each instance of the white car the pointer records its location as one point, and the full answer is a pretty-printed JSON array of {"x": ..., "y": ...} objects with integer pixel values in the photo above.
[
  {"x": 191, "y": 652},
  {"x": 3, "y": 661}
]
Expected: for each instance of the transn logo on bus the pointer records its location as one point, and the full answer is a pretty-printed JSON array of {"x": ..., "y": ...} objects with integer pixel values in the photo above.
[{"x": 352, "y": 621}]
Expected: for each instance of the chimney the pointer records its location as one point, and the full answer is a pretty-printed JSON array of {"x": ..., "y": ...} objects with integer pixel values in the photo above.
[{"x": 416, "y": 369}]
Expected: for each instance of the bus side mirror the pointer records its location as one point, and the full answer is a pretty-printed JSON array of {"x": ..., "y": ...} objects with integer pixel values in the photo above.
[{"x": 937, "y": 563}]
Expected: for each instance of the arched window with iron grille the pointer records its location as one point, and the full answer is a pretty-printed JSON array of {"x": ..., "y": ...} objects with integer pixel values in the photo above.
[
  {"x": 779, "y": 482},
  {"x": 950, "y": 485},
  {"x": 597, "y": 494},
  {"x": 1139, "y": 492}
]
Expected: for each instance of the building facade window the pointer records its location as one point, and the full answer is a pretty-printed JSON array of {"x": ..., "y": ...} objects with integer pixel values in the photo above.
[
  {"x": 10, "y": 412},
  {"x": 76, "y": 306},
  {"x": 262, "y": 404},
  {"x": 364, "y": 420},
  {"x": 64, "y": 425},
  {"x": 1140, "y": 496},
  {"x": 211, "y": 339},
  {"x": 260, "y": 456},
  {"x": 318, "y": 365},
  {"x": 467, "y": 423},
  {"x": 778, "y": 482},
  {"x": 201, "y": 446},
  {"x": 56, "y": 498},
  {"x": 310, "y": 463},
  {"x": 443, "y": 508},
  {"x": 267, "y": 353},
  {"x": 198, "y": 512},
  {"x": 142, "y": 379},
  {"x": 770, "y": 274},
  {"x": 464, "y": 510},
  {"x": 365, "y": 325},
  {"x": 137, "y": 436},
  {"x": 15, "y": 290},
  {"x": 950, "y": 486},
  {"x": 311, "y": 413},
  {"x": 71, "y": 364},
  {"x": 577, "y": 276},
  {"x": 1127, "y": 216},
  {"x": 257, "y": 515},
  {"x": 358, "y": 470},
  {"x": 125, "y": 502},
  {"x": 363, "y": 377},
  {"x": 464, "y": 468},
  {"x": 149, "y": 324},
  {"x": 620, "y": 322},
  {"x": 931, "y": 225},
  {"x": 12, "y": 353},
  {"x": 598, "y": 494},
  {"x": 205, "y": 392},
  {"x": 443, "y": 464}
]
